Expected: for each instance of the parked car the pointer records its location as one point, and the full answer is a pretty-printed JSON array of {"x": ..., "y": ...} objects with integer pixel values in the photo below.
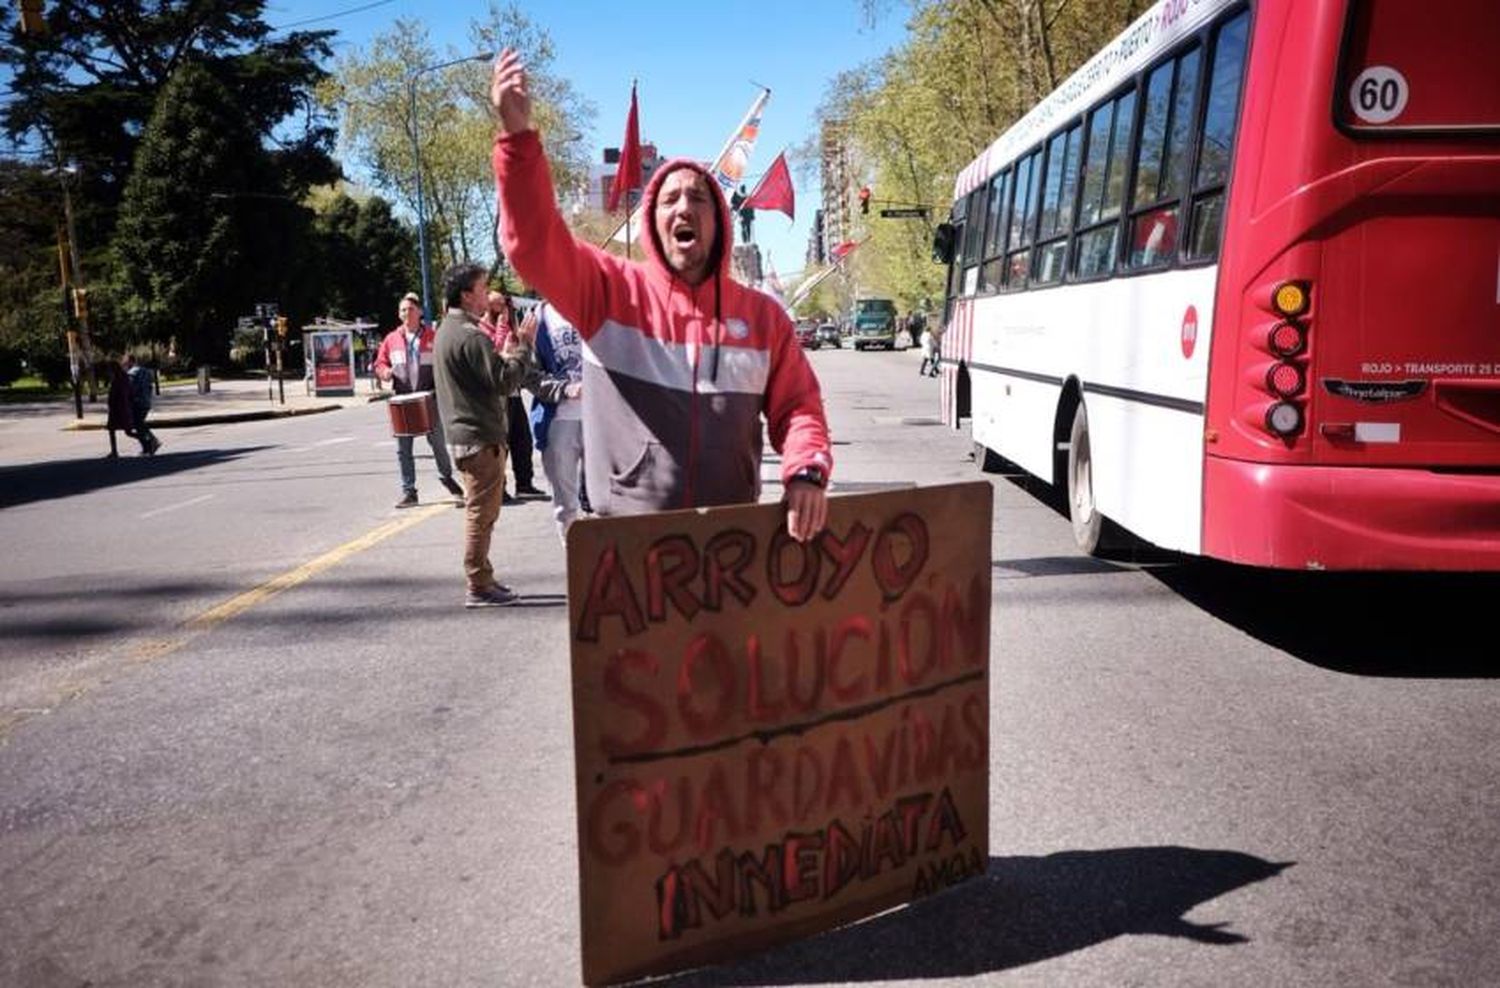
[
  {"x": 807, "y": 336},
  {"x": 829, "y": 333}
]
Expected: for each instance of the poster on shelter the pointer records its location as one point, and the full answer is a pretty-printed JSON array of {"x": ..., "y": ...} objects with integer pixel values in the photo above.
[
  {"x": 773, "y": 738},
  {"x": 333, "y": 362}
]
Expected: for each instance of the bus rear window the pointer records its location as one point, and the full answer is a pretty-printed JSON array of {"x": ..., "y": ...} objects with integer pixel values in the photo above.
[{"x": 1415, "y": 65}]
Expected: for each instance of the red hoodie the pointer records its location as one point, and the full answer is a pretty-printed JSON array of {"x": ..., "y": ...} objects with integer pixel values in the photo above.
[{"x": 667, "y": 421}]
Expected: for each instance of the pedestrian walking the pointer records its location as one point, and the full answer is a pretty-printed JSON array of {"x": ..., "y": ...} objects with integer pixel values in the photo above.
[
  {"x": 141, "y": 381},
  {"x": 682, "y": 361},
  {"x": 405, "y": 360},
  {"x": 915, "y": 323},
  {"x": 931, "y": 360},
  {"x": 557, "y": 414},
  {"x": 121, "y": 418},
  {"x": 473, "y": 379},
  {"x": 498, "y": 322}
]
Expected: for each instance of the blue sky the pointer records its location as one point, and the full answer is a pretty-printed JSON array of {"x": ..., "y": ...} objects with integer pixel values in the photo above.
[{"x": 697, "y": 67}]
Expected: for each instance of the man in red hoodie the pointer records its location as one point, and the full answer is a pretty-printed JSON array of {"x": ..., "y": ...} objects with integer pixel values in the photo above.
[{"x": 681, "y": 361}]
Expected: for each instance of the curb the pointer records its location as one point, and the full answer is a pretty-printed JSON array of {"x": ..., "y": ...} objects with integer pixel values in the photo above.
[{"x": 186, "y": 421}]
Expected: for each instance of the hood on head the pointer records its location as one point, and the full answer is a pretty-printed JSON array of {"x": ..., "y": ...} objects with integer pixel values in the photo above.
[{"x": 724, "y": 242}]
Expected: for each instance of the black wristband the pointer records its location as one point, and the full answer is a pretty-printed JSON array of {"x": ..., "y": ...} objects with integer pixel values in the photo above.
[{"x": 812, "y": 475}]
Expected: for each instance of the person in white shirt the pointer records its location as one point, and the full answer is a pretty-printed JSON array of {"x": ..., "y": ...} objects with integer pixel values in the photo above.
[{"x": 557, "y": 414}]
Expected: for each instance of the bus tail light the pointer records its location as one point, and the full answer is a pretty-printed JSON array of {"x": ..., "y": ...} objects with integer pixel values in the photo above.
[
  {"x": 1287, "y": 298},
  {"x": 1290, "y": 298},
  {"x": 1286, "y": 339},
  {"x": 1285, "y": 380},
  {"x": 1284, "y": 419}
]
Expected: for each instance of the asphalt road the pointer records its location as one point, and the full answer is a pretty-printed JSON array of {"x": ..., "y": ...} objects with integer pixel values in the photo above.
[{"x": 249, "y": 736}]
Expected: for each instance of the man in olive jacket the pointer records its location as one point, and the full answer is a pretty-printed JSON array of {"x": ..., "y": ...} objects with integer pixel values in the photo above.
[{"x": 473, "y": 381}]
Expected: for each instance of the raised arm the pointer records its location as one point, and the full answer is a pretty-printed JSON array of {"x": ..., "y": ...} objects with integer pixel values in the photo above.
[{"x": 574, "y": 276}]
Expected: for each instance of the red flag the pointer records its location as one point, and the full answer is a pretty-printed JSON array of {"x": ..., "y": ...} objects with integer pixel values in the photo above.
[
  {"x": 628, "y": 174},
  {"x": 843, "y": 250},
  {"x": 775, "y": 190}
]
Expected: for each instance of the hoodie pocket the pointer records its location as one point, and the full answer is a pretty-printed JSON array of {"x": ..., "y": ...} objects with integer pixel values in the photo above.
[{"x": 651, "y": 482}]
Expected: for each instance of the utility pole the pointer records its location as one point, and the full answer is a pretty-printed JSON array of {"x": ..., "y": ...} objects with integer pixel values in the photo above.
[
  {"x": 281, "y": 329},
  {"x": 73, "y": 354},
  {"x": 79, "y": 293}
]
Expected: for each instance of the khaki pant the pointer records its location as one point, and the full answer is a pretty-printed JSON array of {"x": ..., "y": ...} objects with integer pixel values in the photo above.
[{"x": 483, "y": 475}]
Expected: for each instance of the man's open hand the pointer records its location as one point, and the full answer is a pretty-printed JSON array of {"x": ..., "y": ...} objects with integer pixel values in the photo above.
[
  {"x": 508, "y": 93},
  {"x": 526, "y": 332},
  {"x": 806, "y": 509}
]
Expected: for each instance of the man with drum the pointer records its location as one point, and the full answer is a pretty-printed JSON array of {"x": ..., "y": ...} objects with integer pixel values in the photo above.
[{"x": 405, "y": 360}]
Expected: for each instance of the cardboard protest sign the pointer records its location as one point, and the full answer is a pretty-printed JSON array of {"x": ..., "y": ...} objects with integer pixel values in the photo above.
[{"x": 773, "y": 738}]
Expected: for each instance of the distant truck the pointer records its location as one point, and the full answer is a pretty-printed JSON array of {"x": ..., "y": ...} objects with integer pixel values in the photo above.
[{"x": 874, "y": 323}]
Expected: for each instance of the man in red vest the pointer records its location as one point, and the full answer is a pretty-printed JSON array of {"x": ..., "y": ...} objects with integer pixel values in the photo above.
[{"x": 405, "y": 360}]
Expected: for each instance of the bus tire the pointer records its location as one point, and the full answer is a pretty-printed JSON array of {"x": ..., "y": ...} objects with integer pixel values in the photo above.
[
  {"x": 1088, "y": 523},
  {"x": 987, "y": 459}
]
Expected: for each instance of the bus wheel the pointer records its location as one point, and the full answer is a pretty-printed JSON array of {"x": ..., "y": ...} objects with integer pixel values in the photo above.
[
  {"x": 1088, "y": 523},
  {"x": 987, "y": 459}
]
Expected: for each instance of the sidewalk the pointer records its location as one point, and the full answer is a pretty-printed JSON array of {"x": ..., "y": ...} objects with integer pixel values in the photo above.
[
  {"x": 31, "y": 430},
  {"x": 238, "y": 400}
]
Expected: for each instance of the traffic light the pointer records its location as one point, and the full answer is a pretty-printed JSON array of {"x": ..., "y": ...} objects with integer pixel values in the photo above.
[
  {"x": 281, "y": 326},
  {"x": 864, "y": 200}
]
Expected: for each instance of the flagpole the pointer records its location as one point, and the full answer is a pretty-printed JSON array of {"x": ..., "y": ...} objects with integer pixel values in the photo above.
[
  {"x": 628, "y": 205},
  {"x": 806, "y": 287},
  {"x": 757, "y": 106}
]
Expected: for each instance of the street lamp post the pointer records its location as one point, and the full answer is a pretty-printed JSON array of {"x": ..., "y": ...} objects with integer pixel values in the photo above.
[{"x": 416, "y": 154}]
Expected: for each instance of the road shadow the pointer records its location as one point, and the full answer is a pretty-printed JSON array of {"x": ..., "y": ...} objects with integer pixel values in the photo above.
[
  {"x": 1422, "y": 625},
  {"x": 1410, "y": 625},
  {"x": 1021, "y": 911},
  {"x": 58, "y": 618},
  {"x": 28, "y": 482}
]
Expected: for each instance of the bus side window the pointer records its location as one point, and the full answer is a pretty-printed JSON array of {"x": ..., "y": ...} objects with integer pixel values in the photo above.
[
  {"x": 973, "y": 235},
  {"x": 994, "y": 237},
  {"x": 1103, "y": 187},
  {"x": 1059, "y": 190},
  {"x": 1220, "y": 116},
  {"x": 1023, "y": 218},
  {"x": 956, "y": 265},
  {"x": 1161, "y": 160}
]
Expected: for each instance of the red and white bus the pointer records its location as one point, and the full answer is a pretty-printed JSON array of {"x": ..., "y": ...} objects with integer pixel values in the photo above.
[{"x": 1235, "y": 285}]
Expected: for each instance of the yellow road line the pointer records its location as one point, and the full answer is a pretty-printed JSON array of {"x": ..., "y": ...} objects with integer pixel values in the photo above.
[
  {"x": 238, "y": 605},
  {"x": 197, "y": 625}
]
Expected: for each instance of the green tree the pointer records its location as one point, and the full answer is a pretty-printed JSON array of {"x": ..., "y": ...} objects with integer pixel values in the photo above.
[
  {"x": 338, "y": 256},
  {"x": 389, "y": 250},
  {"x": 368, "y": 258},
  {"x": 189, "y": 254},
  {"x": 967, "y": 71},
  {"x": 371, "y": 89},
  {"x": 87, "y": 86},
  {"x": 85, "y": 91}
]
